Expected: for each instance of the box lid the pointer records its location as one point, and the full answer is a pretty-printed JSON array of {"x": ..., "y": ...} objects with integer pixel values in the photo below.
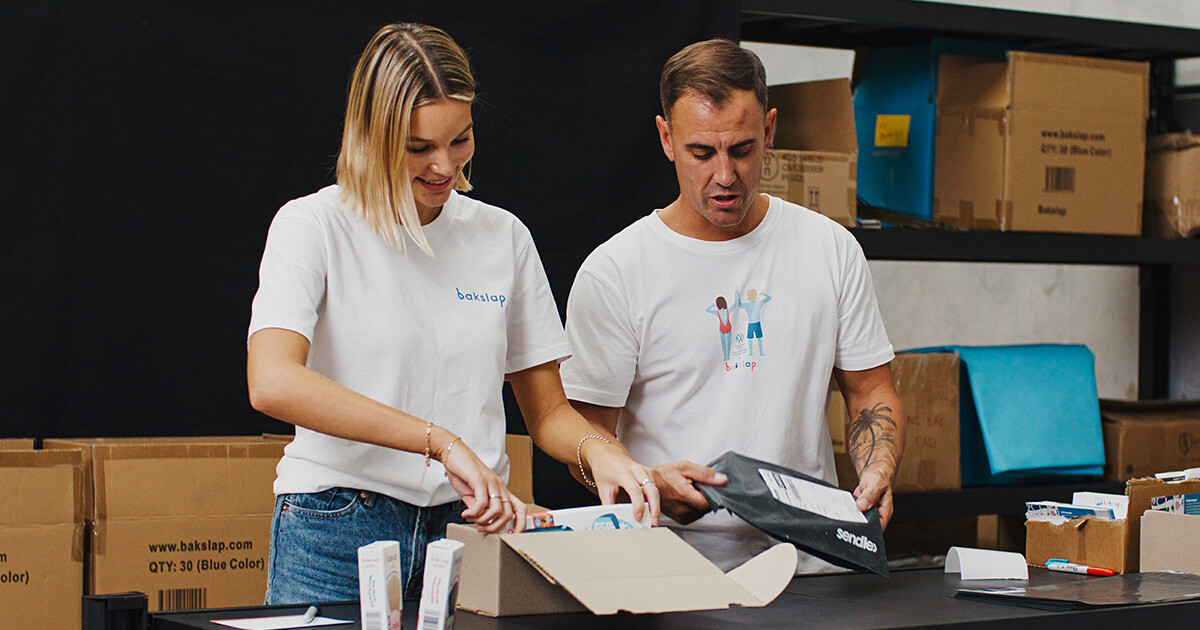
[
  {"x": 41, "y": 487},
  {"x": 814, "y": 116},
  {"x": 650, "y": 570},
  {"x": 1149, "y": 410},
  {"x": 1048, "y": 81}
]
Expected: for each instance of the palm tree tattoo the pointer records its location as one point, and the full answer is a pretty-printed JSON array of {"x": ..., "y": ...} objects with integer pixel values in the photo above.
[{"x": 870, "y": 422}]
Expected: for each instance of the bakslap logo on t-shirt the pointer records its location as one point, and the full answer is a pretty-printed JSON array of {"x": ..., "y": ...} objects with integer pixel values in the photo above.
[{"x": 471, "y": 296}]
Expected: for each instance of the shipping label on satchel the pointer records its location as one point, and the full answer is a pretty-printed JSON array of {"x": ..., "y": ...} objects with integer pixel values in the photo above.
[{"x": 812, "y": 497}]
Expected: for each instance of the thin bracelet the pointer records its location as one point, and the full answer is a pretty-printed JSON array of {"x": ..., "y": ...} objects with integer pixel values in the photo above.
[
  {"x": 428, "y": 448},
  {"x": 579, "y": 455},
  {"x": 446, "y": 451}
]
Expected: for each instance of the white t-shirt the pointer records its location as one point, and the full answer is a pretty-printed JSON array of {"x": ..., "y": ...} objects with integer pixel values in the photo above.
[
  {"x": 432, "y": 337},
  {"x": 646, "y": 335}
]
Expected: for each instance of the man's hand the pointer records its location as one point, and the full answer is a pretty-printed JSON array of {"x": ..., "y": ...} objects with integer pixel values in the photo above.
[
  {"x": 678, "y": 496},
  {"x": 875, "y": 489}
]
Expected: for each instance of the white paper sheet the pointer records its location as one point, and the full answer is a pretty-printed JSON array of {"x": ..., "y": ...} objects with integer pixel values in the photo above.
[
  {"x": 986, "y": 564},
  {"x": 279, "y": 623},
  {"x": 829, "y": 502}
]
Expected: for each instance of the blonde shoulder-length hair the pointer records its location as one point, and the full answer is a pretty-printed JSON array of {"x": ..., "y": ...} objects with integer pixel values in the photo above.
[{"x": 403, "y": 67}]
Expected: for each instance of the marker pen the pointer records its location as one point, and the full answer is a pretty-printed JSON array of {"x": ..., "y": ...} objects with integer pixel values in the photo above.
[{"x": 1070, "y": 567}]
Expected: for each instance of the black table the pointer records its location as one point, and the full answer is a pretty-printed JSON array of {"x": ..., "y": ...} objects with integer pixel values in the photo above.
[{"x": 908, "y": 599}]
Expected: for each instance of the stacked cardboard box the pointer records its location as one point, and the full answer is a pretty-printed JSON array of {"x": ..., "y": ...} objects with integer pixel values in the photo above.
[
  {"x": 1173, "y": 185},
  {"x": 41, "y": 538},
  {"x": 1147, "y": 437},
  {"x": 814, "y": 161},
  {"x": 1041, "y": 143},
  {"x": 184, "y": 520}
]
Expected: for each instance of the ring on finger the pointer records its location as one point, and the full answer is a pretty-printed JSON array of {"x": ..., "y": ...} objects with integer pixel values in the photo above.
[{"x": 645, "y": 481}]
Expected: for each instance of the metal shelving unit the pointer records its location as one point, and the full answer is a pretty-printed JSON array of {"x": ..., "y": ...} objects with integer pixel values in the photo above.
[{"x": 864, "y": 24}]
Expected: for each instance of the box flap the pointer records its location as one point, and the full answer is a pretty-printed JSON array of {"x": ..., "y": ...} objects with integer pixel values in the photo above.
[
  {"x": 767, "y": 574},
  {"x": 641, "y": 571},
  {"x": 814, "y": 116},
  {"x": 41, "y": 487},
  {"x": 971, "y": 83},
  {"x": 1149, "y": 410},
  {"x": 1045, "y": 81}
]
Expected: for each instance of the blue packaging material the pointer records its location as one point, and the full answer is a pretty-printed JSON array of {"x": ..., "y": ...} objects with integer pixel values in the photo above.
[
  {"x": 1027, "y": 413},
  {"x": 902, "y": 80}
]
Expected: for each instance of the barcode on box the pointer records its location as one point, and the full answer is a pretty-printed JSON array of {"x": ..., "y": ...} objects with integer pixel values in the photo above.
[
  {"x": 1060, "y": 179},
  {"x": 182, "y": 598},
  {"x": 372, "y": 621},
  {"x": 431, "y": 622}
]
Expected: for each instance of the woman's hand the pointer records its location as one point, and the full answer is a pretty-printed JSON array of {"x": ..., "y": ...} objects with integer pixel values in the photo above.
[
  {"x": 490, "y": 505},
  {"x": 614, "y": 471}
]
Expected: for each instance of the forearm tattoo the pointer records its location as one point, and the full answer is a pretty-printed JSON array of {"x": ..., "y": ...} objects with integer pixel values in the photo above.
[{"x": 873, "y": 427}]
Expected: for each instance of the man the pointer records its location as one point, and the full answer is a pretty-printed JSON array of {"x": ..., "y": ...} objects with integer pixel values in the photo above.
[{"x": 644, "y": 366}]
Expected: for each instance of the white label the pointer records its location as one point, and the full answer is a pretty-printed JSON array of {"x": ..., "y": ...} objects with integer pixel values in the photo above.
[{"x": 812, "y": 497}]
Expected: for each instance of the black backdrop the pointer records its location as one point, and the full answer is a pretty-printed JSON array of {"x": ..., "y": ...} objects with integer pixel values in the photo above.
[{"x": 146, "y": 145}]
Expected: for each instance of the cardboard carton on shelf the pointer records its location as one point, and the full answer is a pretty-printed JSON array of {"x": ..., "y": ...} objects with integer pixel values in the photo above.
[
  {"x": 1041, "y": 143},
  {"x": 1145, "y": 437},
  {"x": 1173, "y": 185},
  {"x": 41, "y": 538},
  {"x": 1108, "y": 543},
  {"x": 927, "y": 384},
  {"x": 814, "y": 159},
  {"x": 608, "y": 571},
  {"x": 184, "y": 520}
]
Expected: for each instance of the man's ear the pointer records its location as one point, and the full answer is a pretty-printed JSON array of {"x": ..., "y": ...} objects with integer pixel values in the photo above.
[
  {"x": 664, "y": 136},
  {"x": 770, "y": 130}
]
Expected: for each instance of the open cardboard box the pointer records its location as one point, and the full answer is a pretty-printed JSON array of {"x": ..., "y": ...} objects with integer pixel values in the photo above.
[
  {"x": 633, "y": 570},
  {"x": 1112, "y": 544},
  {"x": 814, "y": 161}
]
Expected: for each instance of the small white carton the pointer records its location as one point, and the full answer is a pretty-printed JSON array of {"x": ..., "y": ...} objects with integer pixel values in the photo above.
[
  {"x": 379, "y": 589},
  {"x": 439, "y": 595}
]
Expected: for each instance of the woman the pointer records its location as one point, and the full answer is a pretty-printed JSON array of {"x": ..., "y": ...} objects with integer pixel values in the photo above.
[{"x": 389, "y": 361}]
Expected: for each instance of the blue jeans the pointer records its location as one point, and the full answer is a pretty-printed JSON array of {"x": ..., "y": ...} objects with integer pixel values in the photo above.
[{"x": 315, "y": 540}]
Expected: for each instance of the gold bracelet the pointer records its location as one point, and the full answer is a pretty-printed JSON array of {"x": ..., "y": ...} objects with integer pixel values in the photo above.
[
  {"x": 579, "y": 455},
  {"x": 428, "y": 447},
  {"x": 446, "y": 451}
]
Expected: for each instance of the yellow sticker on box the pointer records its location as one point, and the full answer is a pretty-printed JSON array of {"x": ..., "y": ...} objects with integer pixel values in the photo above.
[{"x": 891, "y": 130}]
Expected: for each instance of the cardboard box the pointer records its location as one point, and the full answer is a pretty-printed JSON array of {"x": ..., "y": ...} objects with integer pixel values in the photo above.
[
  {"x": 814, "y": 161},
  {"x": 894, "y": 112},
  {"x": 184, "y": 520},
  {"x": 1147, "y": 437},
  {"x": 41, "y": 538},
  {"x": 1173, "y": 186},
  {"x": 519, "y": 449},
  {"x": 633, "y": 570},
  {"x": 1041, "y": 143},
  {"x": 1168, "y": 542},
  {"x": 1112, "y": 544},
  {"x": 16, "y": 444},
  {"x": 928, "y": 389}
]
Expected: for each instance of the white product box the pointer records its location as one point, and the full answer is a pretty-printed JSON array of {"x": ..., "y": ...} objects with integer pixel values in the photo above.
[
  {"x": 592, "y": 517},
  {"x": 439, "y": 595},
  {"x": 381, "y": 595}
]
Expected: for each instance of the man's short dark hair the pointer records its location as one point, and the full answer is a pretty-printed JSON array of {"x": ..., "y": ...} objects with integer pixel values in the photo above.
[{"x": 712, "y": 69}]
